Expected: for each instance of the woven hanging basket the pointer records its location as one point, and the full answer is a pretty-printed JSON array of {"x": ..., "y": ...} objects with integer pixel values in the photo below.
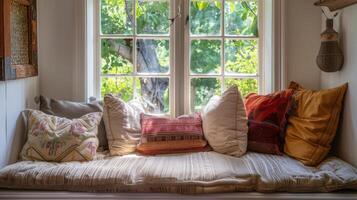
[{"x": 330, "y": 57}]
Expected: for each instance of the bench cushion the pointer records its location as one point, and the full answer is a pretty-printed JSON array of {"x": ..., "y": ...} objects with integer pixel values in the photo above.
[{"x": 203, "y": 172}]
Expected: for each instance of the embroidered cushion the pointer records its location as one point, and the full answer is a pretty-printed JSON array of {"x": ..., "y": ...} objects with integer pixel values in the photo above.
[
  {"x": 312, "y": 127},
  {"x": 161, "y": 135},
  {"x": 267, "y": 118},
  {"x": 225, "y": 123},
  {"x": 72, "y": 110},
  {"x": 122, "y": 123},
  {"x": 57, "y": 139}
]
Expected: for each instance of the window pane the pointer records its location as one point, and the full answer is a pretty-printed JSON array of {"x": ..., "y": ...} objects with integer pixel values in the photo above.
[
  {"x": 121, "y": 87},
  {"x": 202, "y": 89},
  {"x": 153, "y": 56},
  {"x": 116, "y": 56},
  {"x": 205, "y": 56},
  {"x": 116, "y": 16},
  {"x": 241, "y": 56},
  {"x": 205, "y": 17},
  {"x": 241, "y": 17},
  {"x": 154, "y": 93},
  {"x": 245, "y": 86},
  {"x": 152, "y": 17}
]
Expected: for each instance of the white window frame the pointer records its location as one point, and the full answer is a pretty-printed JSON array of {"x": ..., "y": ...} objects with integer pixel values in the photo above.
[
  {"x": 171, "y": 36},
  {"x": 272, "y": 73},
  {"x": 222, "y": 37}
]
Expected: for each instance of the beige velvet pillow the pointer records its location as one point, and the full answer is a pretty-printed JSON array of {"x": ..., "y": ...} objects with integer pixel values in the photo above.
[
  {"x": 56, "y": 139},
  {"x": 225, "y": 123},
  {"x": 122, "y": 123}
]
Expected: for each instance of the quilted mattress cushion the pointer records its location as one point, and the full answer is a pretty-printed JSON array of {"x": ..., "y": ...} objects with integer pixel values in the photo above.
[{"x": 203, "y": 172}]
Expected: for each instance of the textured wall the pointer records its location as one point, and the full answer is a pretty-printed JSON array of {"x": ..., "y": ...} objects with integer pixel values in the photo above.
[
  {"x": 59, "y": 49},
  {"x": 347, "y": 136},
  {"x": 15, "y": 96},
  {"x": 303, "y": 27}
]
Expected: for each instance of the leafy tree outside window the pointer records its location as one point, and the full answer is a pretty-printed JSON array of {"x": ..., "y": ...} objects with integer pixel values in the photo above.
[{"x": 135, "y": 50}]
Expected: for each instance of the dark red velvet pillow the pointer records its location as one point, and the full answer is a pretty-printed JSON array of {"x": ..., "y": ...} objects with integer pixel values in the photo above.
[{"x": 267, "y": 118}]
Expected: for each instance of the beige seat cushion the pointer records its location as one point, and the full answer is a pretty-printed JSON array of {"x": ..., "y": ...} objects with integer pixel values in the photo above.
[
  {"x": 203, "y": 172},
  {"x": 225, "y": 123},
  {"x": 122, "y": 123}
]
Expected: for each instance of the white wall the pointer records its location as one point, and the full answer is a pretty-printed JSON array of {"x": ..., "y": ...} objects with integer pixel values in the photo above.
[
  {"x": 60, "y": 49},
  {"x": 347, "y": 137},
  {"x": 15, "y": 96},
  {"x": 303, "y": 27},
  {"x": 61, "y": 32}
]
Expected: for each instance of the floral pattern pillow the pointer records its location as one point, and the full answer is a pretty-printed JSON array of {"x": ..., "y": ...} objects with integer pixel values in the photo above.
[{"x": 56, "y": 139}]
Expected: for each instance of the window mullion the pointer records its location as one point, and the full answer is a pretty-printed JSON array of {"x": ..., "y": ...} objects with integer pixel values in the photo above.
[
  {"x": 134, "y": 51},
  {"x": 222, "y": 46}
]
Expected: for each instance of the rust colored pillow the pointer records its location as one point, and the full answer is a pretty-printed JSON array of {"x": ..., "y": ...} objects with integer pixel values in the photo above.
[
  {"x": 161, "y": 135},
  {"x": 267, "y": 118},
  {"x": 312, "y": 127}
]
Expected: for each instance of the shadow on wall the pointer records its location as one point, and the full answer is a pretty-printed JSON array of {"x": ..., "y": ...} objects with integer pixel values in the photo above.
[
  {"x": 18, "y": 139},
  {"x": 341, "y": 135}
]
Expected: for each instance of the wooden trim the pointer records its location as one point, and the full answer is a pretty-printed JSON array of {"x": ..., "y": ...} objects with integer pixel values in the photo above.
[
  {"x": 23, "y": 71},
  {"x": 5, "y": 50},
  {"x": 6, "y": 39},
  {"x": 334, "y": 5},
  {"x": 18, "y": 194},
  {"x": 24, "y": 2}
]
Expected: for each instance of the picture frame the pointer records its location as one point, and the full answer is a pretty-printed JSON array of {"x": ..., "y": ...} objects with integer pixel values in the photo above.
[{"x": 18, "y": 39}]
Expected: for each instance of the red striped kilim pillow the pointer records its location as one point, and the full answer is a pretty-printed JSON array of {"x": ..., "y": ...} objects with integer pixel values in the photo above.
[{"x": 160, "y": 135}]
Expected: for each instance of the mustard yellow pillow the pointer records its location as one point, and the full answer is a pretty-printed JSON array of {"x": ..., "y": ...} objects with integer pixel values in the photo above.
[{"x": 312, "y": 127}]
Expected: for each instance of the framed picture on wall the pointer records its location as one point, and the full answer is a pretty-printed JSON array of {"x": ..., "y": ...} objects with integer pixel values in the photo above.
[{"x": 18, "y": 39}]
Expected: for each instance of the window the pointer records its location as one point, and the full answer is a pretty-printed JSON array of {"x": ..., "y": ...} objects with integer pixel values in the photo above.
[
  {"x": 136, "y": 44},
  {"x": 223, "y": 48},
  {"x": 135, "y": 51}
]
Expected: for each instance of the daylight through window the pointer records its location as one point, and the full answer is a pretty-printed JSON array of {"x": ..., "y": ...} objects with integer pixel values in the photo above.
[{"x": 135, "y": 54}]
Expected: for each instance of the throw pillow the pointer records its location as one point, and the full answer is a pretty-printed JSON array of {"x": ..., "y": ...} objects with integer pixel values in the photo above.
[
  {"x": 312, "y": 127},
  {"x": 225, "y": 123},
  {"x": 162, "y": 135},
  {"x": 72, "y": 110},
  {"x": 55, "y": 139},
  {"x": 267, "y": 119},
  {"x": 122, "y": 122}
]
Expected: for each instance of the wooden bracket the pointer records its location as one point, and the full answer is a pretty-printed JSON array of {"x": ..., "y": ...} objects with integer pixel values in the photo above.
[{"x": 334, "y": 5}]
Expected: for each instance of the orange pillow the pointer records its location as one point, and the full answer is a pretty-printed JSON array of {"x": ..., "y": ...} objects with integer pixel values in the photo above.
[{"x": 312, "y": 127}]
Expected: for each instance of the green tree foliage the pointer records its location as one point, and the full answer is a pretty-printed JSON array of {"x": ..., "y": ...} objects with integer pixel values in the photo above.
[{"x": 241, "y": 56}]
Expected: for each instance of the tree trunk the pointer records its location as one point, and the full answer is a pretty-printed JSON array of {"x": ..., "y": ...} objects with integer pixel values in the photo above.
[{"x": 152, "y": 89}]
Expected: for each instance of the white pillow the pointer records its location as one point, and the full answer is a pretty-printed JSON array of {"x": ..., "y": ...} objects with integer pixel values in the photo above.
[
  {"x": 122, "y": 123},
  {"x": 225, "y": 123}
]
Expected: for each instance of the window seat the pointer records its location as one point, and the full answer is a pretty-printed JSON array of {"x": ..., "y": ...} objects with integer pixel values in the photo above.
[
  {"x": 195, "y": 173},
  {"x": 25, "y": 194}
]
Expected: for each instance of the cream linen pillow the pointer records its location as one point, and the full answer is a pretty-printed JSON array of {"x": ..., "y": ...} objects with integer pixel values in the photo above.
[
  {"x": 225, "y": 123},
  {"x": 122, "y": 123},
  {"x": 56, "y": 139}
]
